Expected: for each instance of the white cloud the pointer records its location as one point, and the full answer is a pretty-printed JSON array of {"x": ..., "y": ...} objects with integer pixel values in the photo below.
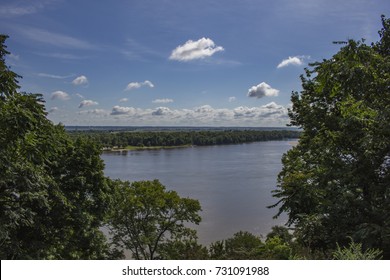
[
  {"x": 148, "y": 83},
  {"x": 191, "y": 50},
  {"x": 161, "y": 111},
  {"x": 232, "y": 99},
  {"x": 79, "y": 95},
  {"x": 44, "y": 75},
  {"x": 204, "y": 109},
  {"x": 118, "y": 110},
  {"x": 61, "y": 56},
  {"x": 86, "y": 103},
  {"x": 8, "y": 11},
  {"x": 164, "y": 100},
  {"x": 53, "y": 109},
  {"x": 295, "y": 60},
  {"x": 21, "y": 9},
  {"x": 12, "y": 59},
  {"x": 270, "y": 114},
  {"x": 272, "y": 105},
  {"x": 135, "y": 85},
  {"x": 95, "y": 112},
  {"x": 262, "y": 90},
  {"x": 13, "y": 56},
  {"x": 61, "y": 95},
  {"x": 54, "y": 39},
  {"x": 81, "y": 80},
  {"x": 124, "y": 100}
]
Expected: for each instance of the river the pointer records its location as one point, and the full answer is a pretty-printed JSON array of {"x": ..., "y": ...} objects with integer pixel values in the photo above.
[{"x": 232, "y": 182}]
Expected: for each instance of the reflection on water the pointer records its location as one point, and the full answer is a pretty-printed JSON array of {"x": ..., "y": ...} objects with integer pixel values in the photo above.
[{"x": 233, "y": 182}]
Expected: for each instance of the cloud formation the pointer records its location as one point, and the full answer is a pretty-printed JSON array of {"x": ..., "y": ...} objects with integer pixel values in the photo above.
[
  {"x": 164, "y": 100},
  {"x": 17, "y": 9},
  {"x": 191, "y": 50},
  {"x": 262, "y": 90},
  {"x": 53, "y": 109},
  {"x": 295, "y": 60},
  {"x": 100, "y": 112},
  {"x": 54, "y": 39},
  {"x": 118, "y": 110},
  {"x": 135, "y": 85},
  {"x": 270, "y": 114},
  {"x": 81, "y": 80},
  {"x": 45, "y": 75},
  {"x": 79, "y": 95},
  {"x": 124, "y": 100},
  {"x": 232, "y": 99},
  {"x": 61, "y": 95},
  {"x": 86, "y": 103}
]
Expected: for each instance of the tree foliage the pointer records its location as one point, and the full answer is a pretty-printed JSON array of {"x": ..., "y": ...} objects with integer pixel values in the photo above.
[
  {"x": 183, "y": 247},
  {"x": 336, "y": 182},
  {"x": 178, "y": 138},
  {"x": 355, "y": 252},
  {"x": 52, "y": 190},
  {"x": 247, "y": 246},
  {"x": 145, "y": 216},
  {"x": 242, "y": 246}
]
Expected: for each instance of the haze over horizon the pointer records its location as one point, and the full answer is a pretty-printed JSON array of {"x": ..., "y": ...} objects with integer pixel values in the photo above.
[{"x": 176, "y": 63}]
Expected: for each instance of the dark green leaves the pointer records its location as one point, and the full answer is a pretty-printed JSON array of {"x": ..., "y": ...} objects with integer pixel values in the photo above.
[
  {"x": 335, "y": 182},
  {"x": 144, "y": 216},
  {"x": 53, "y": 194}
]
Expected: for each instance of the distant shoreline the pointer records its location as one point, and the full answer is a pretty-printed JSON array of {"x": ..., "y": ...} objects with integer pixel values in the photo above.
[
  {"x": 121, "y": 141},
  {"x": 292, "y": 142},
  {"x": 72, "y": 128},
  {"x": 136, "y": 148}
]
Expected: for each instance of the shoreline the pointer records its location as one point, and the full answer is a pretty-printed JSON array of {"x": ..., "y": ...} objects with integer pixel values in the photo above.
[
  {"x": 136, "y": 148},
  {"x": 293, "y": 142}
]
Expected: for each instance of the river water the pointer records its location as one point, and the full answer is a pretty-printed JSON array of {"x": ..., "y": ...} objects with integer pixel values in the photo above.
[{"x": 232, "y": 182}]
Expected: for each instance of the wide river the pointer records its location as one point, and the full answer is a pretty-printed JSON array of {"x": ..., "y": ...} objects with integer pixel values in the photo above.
[{"x": 232, "y": 182}]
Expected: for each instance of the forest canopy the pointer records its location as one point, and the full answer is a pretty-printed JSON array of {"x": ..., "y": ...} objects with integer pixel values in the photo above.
[{"x": 124, "y": 139}]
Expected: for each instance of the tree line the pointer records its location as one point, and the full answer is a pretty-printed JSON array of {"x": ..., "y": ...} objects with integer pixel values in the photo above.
[
  {"x": 334, "y": 185},
  {"x": 179, "y": 138}
]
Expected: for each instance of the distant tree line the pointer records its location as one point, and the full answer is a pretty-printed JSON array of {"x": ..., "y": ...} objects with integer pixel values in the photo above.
[{"x": 179, "y": 138}]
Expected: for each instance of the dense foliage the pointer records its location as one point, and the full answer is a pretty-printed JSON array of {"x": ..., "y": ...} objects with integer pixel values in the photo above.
[
  {"x": 335, "y": 184},
  {"x": 148, "y": 220},
  {"x": 247, "y": 246},
  {"x": 355, "y": 252},
  {"x": 53, "y": 193},
  {"x": 179, "y": 138}
]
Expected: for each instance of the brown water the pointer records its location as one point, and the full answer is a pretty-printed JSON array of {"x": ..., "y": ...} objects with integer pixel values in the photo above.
[{"x": 232, "y": 182}]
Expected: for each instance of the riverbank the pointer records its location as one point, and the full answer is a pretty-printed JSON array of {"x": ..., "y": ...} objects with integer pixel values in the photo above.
[
  {"x": 144, "y": 148},
  {"x": 155, "y": 140},
  {"x": 293, "y": 143}
]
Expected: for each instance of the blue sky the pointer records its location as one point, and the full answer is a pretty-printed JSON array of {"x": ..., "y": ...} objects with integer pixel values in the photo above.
[{"x": 176, "y": 62}]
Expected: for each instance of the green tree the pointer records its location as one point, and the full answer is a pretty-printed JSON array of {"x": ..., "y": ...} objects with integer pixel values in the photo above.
[
  {"x": 336, "y": 182},
  {"x": 52, "y": 191},
  {"x": 276, "y": 249},
  {"x": 355, "y": 252},
  {"x": 242, "y": 246},
  {"x": 281, "y": 232},
  {"x": 184, "y": 247},
  {"x": 144, "y": 216}
]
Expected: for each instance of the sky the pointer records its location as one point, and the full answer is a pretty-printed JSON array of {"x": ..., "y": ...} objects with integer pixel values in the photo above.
[{"x": 176, "y": 62}]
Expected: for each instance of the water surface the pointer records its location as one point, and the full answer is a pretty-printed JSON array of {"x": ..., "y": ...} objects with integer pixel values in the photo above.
[{"x": 232, "y": 182}]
